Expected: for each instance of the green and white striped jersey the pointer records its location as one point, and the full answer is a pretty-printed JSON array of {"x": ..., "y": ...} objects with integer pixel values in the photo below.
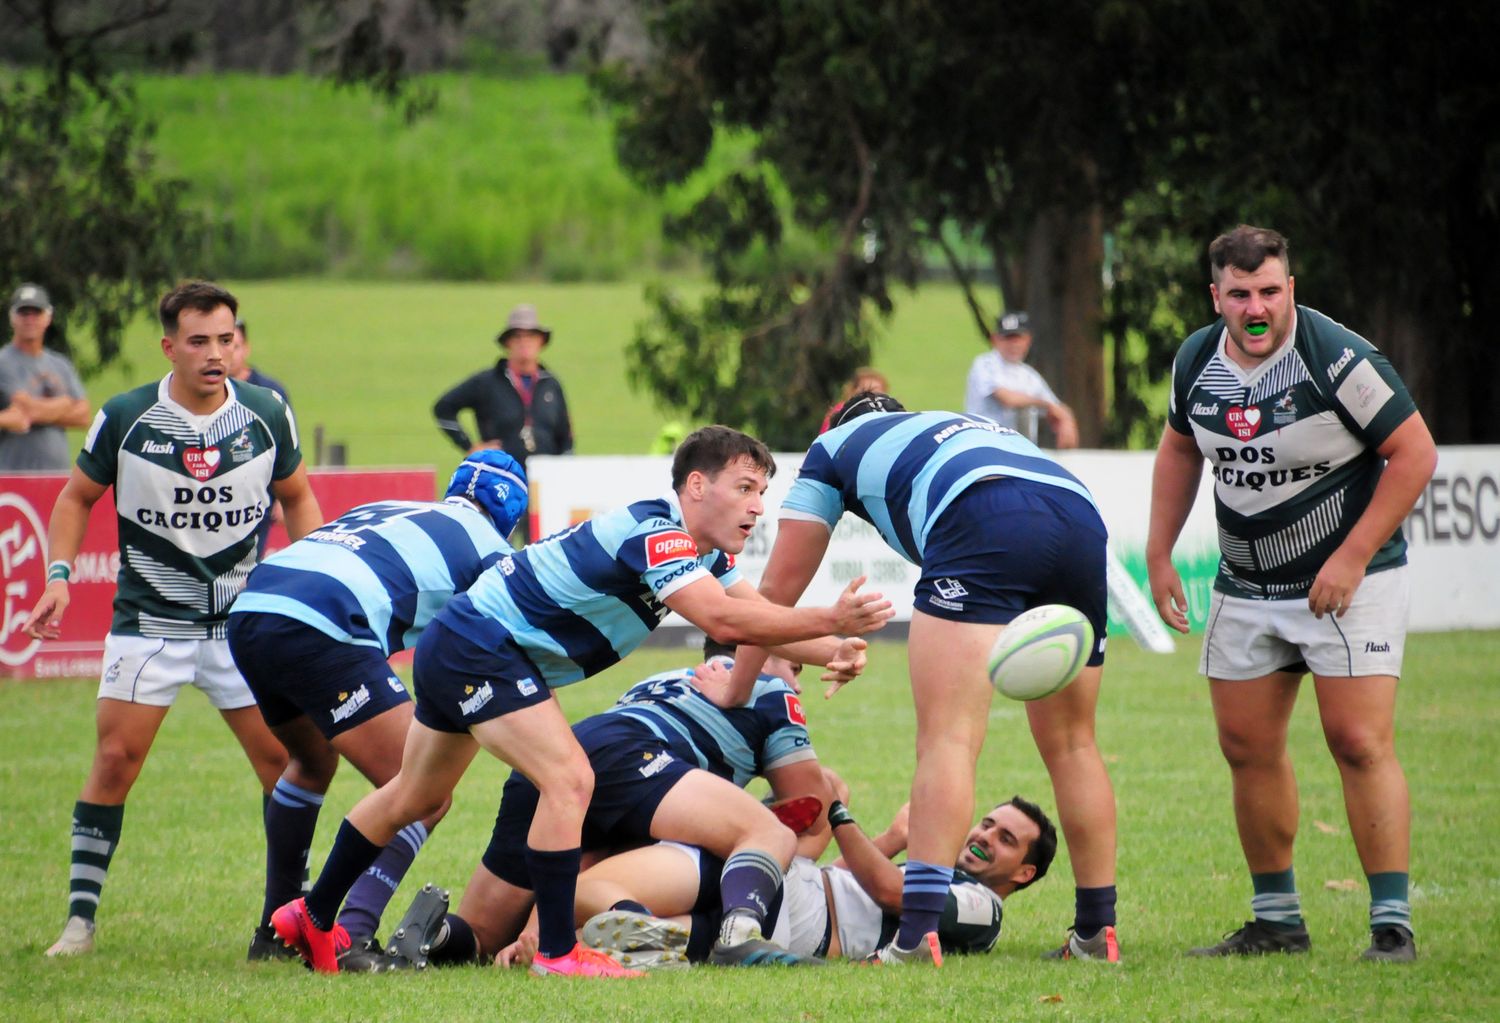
[
  {"x": 1292, "y": 446},
  {"x": 190, "y": 492}
]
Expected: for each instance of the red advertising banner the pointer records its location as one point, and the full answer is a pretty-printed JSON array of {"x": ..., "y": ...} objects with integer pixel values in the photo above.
[{"x": 25, "y": 506}]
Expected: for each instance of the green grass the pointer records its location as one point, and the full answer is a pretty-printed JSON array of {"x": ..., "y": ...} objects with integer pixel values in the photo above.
[
  {"x": 184, "y": 888},
  {"x": 366, "y": 360}
]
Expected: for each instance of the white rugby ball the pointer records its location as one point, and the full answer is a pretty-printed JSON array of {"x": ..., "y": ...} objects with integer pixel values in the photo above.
[{"x": 1040, "y": 651}]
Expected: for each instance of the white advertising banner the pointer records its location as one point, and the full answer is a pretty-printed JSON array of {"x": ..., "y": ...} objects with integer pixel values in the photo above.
[{"x": 1454, "y": 531}]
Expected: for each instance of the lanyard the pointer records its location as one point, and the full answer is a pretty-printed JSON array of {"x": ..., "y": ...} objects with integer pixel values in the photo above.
[{"x": 524, "y": 389}]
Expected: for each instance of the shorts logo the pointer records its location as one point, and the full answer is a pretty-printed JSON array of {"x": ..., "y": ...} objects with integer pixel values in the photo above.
[
  {"x": 395, "y": 684},
  {"x": 484, "y": 694},
  {"x": 200, "y": 462},
  {"x": 112, "y": 673},
  {"x": 350, "y": 703},
  {"x": 1337, "y": 365},
  {"x": 794, "y": 712},
  {"x": 657, "y": 765},
  {"x": 157, "y": 447},
  {"x": 950, "y": 589},
  {"x": 669, "y": 546},
  {"x": 526, "y": 686},
  {"x": 1244, "y": 423}
]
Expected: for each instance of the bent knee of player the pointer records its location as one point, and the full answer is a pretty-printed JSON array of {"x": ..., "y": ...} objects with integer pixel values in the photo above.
[{"x": 1360, "y": 748}]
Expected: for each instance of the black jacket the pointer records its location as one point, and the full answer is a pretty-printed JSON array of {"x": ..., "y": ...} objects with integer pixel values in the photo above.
[{"x": 501, "y": 414}]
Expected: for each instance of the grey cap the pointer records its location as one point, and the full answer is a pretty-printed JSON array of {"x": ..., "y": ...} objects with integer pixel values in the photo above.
[
  {"x": 523, "y": 317},
  {"x": 1013, "y": 323},
  {"x": 30, "y": 296}
]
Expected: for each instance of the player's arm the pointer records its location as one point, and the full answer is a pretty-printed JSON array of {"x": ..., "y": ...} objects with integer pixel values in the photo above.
[
  {"x": 1174, "y": 485},
  {"x": 1410, "y": 458},
  {"x": 805, "y": 778},
  {"x": 707, "y": 605},
  {"x": 298, "y": 503},
  {"x": 843, "y": 656},
  {"x": 868, "y": 862},
  {"x": 70, "y": 520}
]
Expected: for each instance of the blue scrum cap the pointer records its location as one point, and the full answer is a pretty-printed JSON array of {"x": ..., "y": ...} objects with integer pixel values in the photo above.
[{"x": 496, "y": 482}]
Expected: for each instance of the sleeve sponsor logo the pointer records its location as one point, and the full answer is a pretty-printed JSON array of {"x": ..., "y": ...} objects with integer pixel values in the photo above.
[
  {"x": 669, "y": 546},
  {"x": 1364, "y": 393},
  {"x": 794, "y": 712}
]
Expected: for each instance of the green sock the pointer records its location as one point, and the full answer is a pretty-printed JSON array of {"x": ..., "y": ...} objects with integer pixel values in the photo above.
[
  {"x": 96, "y": 832},
  {"x": 1276, "y": 900},
  {"x": 1389, "y": 904}
]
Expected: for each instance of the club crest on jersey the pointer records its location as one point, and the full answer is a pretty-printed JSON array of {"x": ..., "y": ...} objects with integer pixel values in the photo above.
[
  {"x": 1244, "y": 423},
  {"x": 201, "y": 462},
  {"x": 242, "y": 449},
  {"x": 794, "y": 712},
  {"x": 1285, "y": 409},
  {"x": 669, "y": 546}
]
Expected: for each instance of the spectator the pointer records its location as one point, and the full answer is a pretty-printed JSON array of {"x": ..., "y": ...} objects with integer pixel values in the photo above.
[
  {"x": 866, "y": 378},
  {"x": 517, "y": 406},
  {"x": 40, "y": 393},
  {"x": 242, "y": 370},
  {"x": 1004, "y": 388}
]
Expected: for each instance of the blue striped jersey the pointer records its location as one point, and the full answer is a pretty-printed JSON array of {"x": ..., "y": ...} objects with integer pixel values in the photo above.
[
  {"x": 579, "y": 600},
  {"x": 769, "y": 730},
  {"x": 899, "y": 470},
  {"x": 376, "y": 575}
]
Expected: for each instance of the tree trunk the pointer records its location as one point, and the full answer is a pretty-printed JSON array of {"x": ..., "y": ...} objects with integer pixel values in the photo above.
[{"x": 1064, "y": 297}]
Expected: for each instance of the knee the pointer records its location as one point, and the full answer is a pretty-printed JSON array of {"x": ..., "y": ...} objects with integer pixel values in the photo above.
[
  {"x": 1358, "y": 748},
  {"x": 571, "y": 785},
  {"x": 117, "y": 763}
]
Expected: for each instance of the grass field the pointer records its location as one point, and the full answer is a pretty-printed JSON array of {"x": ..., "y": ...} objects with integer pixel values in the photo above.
[
  {"x": 367, "y": 360},
  {"x": 185, "y": 884}
]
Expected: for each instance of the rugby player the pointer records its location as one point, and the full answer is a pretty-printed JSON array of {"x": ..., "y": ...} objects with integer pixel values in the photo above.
[
  {"x": 191, "y": 458},
  {"x": 997, "y": 527},
  {"x": 550, "y": 615},
  {"x": 312, "y": 632}
]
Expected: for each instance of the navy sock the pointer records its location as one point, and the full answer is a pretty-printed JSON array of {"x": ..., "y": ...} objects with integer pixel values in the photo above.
[
  {"x": 291, "y": 816},
  {"x": 375, "y": 887},
  {"x": 96, "y": 833},
  {"x": 1276, "y": 900},
  {"x": 631, "y": 906},
  {"x": 350, "y": 857},
  {"x": 455, "y": 944},
  {"x": 705, "y": 931},
  {"x": 1093, "y": 910},
  {"x": 750, "y": 881},
  {"x": 554, "y": 876},
  {"x": 924, "y": 892}
]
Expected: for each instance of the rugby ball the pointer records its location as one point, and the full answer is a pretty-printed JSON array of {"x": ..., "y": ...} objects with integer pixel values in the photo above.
[{"x": 1040, "y": 651}]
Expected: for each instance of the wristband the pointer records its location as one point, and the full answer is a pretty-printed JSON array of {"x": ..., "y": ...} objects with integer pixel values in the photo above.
[
  {"x": 59, "y": 570},
  {"x": 838, "y": 814}
]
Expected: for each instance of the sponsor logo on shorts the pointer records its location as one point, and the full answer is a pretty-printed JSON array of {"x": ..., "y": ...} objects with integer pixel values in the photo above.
[
  {"x": 656, "y": 764},
  {"x": 484, "y": 694},
  {"x": 1338, "y": 364},
  {"x": 950, "y": 589},
  {"x": 157, "y": 447},
  {"x": 395, "y": 684},
  {"x": 112, "y": 673},
  {"x": 951, "y": 605},
  {"x": 350, "y": 703},
  {"x": 1371, "y": 647},
  {"x": 1200, "y": 409},
  {"x": 526, "y": 686},
  {"x": 794, "y": 712},
  {"x": 669, "y": 546}
]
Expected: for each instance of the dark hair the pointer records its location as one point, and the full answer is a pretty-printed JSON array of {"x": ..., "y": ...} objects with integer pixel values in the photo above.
[
  {"x": 202, "y": 296},
  {"x": 863, "y": 403},
  {"x": 713, "y": 648},
  {"x": 711, "y": 449},
  {"x": 1246, "y": 248},
  {"x": 239, "y": 325},
  {"x": 1044, "y": 847}
]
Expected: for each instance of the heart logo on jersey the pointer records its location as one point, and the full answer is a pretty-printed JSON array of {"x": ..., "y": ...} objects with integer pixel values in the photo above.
[
  {"x": 1243, "y": 422},
  {"x": 200, "y": 462}
]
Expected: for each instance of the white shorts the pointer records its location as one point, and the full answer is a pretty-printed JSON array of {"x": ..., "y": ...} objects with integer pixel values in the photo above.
[
  {"x": 802, "y": 924},
  {"x": 1250, "y": 638},
  {"x": 150, "y": 671}
]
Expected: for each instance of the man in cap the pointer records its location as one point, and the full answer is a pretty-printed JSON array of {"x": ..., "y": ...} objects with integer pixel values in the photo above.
[
  {"x": 1004, "y": 388},
  {"x": 40, "y": 393},
  {"x": 517, "y": 405}
]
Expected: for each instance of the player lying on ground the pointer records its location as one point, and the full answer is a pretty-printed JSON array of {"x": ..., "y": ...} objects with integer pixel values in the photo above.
[
  {"x": 312, "y": 632},
  {"x": 563, "y": 609},
  {"x": 668, "y": 763}
]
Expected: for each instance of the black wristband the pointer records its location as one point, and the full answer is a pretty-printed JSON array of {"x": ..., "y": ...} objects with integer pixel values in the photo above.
[{"x": 838, "y": 814}]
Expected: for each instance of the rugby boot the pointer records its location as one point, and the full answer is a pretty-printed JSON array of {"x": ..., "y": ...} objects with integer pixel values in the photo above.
[
  {"x": 317, "y": 947},
  {"x": 265, "y": 946},
  {"x": 580, "y": 961},
  {"x": 1391, "y": 943},
  {"x": 798, "y": 813},
  {"x": 755, "y": 950},
  {"x": 1258, "y": 938},
  {"x": 418, "y": 930},
  {"x": 363, "y": 957},
  {"x": 77, "y": 938},
  {"x": 638, "y": 940},
  {"x": 928, "y": 950},
  {"x": 1103, "y": 947}
]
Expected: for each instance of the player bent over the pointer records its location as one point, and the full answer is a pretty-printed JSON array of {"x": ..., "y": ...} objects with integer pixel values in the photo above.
[
  {"x": 557, "y": 612},
  {"x": 997, "y": 527},
  {"x": 312, "y": 632},
  {"x": 191, "y": 458}
]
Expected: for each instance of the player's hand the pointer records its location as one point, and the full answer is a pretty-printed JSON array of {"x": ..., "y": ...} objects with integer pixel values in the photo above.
[
  {"x": 847, "y": 663},
  {"x": 45, "y": 621},
  {"x": 1333, "y": 590},
  {"x": 1166, "y": 592},
  {"x": 857, "y": 613},
  {"x": 518, "y": 953}
]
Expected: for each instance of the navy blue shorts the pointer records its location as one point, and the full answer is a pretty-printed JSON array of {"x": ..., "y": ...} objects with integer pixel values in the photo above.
[
  {"x": 293, "y": 669},
  {"x": 460, "y": 683},
  {"x": 1006, "y": 545},
  {"x": 633, "y": 771}
]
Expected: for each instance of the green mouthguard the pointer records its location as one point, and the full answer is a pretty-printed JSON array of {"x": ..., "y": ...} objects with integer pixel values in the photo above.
[{"x": 1257, "y": 330}]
